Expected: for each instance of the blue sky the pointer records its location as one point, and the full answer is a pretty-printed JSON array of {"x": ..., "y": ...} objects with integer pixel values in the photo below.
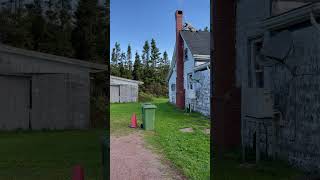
[{"x": 134, "y": 21}]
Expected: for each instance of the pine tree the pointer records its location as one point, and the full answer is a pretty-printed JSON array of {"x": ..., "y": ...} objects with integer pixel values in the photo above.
[
  {"x": 146, "y": 53},
  {"x": 206, "y": 29},
  {"x": 57, "y": 37},
  {"x": 122, "y": 69},
  {"x": 155, "y": 54},
  {"x": 137, "y": 68},
  {"x": 83, "y": 35},
  {"x": 118, "y": 52},
  {"x": 38, "y": 24},
  {"x": 15, "y": 27},
  {"x": 114, "y": 63},
  {"x": 116, "y": 60},
  {"x": 165, "y": 58},
  {"x": 129, "y": 60}
]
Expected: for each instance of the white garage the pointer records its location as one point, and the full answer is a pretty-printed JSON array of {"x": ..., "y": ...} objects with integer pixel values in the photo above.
[{"x": 123, "y": 90}]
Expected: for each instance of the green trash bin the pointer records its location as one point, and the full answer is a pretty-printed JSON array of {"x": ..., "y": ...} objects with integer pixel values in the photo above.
[
  {"x": 142, "y": 110},
  {"x": 148, "y": 116}
]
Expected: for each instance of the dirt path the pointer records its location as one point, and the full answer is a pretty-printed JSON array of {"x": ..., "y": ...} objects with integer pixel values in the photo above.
[{"x": 131, "y": 160}]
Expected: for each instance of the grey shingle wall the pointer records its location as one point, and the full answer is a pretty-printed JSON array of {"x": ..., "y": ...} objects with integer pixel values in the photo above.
[
  {"x": 297, "y": 136},
  {"x": 202, "y": 89}
]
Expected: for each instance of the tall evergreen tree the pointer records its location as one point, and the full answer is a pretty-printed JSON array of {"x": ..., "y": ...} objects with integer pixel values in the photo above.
[
  {"x": 129, "y": 57},
  {"x": 146, "y": 53},
  {"x": 57, "y": 37},
  {"x": 137, "y": 68},
  {"x": 117, "y": 52},
  {"x": 122, "y": 68},
  {"x": 114, "y": 63},
  {"x": 155, "y": 54},
  {"x": 83, "y": 35},
  {"x": 129, "y": 61},
  {"x": 165, "y": 58},
  {"x": 38, "y": 24}
]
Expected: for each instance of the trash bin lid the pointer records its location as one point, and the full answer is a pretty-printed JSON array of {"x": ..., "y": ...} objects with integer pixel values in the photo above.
[
  {"x": 149, "y": 106},
  {"x": 146, "y": 103}
]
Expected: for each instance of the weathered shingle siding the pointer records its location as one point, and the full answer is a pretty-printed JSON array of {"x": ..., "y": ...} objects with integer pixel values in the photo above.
[
  {"x": 58, "y": 91},
  {"x": 298, "y": 139},
  {"x": 123, "y": 90},
  {"x": 202, "y": 89}
]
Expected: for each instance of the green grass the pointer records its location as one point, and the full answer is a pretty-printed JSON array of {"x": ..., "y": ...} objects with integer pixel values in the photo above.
[
  {"x": 188, "y": 152},
  {"x": 229, "y": 168},
  {"x": 120, "y": 117},
  {"x": 50, "y": 155}
]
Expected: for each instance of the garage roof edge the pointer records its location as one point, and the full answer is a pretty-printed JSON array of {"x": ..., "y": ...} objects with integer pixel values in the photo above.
[
  {"x": 124, "y": 79},
  {"x": 95, "y": 67}
]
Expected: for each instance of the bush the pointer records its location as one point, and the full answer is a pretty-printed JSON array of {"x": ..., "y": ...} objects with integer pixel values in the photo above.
[
  {"x": 144, "y": 97},
  {"x": 98, "y": 112}
]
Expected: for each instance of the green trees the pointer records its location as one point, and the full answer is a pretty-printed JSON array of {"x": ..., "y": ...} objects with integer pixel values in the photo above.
[
  {"x": 137, "y": 72},
  {"x": 53, "y": 27},
  {"x": 150, "y": 67}
]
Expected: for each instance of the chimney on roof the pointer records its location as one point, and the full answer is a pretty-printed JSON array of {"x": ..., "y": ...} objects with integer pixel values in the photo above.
[{"x": 180, "y": 96}]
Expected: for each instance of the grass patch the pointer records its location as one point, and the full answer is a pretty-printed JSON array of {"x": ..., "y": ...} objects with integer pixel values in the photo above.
[
  {"x": 120, "y": 117},
  {"x": 188, "y": 152},
  {"x": 50, "y": 155},
  {"x": 229, "y": 167}
]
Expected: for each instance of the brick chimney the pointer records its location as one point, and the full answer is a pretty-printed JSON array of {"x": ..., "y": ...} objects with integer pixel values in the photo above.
[{"x": 180, "y": 96}]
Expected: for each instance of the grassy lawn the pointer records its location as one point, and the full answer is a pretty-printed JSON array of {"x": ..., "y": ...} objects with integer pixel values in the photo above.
[
  {"x": 50, "y": 155},
  {"x": 188, "y": 152},
  {"x": 229, "y": 167}
]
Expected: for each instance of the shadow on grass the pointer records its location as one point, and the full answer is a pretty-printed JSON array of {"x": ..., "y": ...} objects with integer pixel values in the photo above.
[{"x": 229, "y": 165}]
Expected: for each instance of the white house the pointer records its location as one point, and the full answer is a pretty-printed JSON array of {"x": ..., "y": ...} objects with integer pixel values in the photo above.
[{"x": 189, "y": 75}]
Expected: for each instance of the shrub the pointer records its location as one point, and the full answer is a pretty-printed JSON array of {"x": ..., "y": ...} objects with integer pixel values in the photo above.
[{"x": 144, "y": 97}]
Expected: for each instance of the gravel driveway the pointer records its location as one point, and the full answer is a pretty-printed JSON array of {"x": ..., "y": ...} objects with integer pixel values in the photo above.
[{"x": 131, "y": 160}]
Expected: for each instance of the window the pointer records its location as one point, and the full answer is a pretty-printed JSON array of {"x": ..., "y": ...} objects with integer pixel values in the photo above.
[
  {"x": 173, "y": 87},
  {"x": 186, "y": 54},
  {"x": 255, "y": 70},
  {"x": 190, "y": 84},
  {"x": 258, "y": 68}
]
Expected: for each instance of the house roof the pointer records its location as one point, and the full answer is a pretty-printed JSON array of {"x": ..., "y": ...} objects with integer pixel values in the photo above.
[
  {"x": 94, "y": 67},
  {"x": 115, "y": 80},
  {"x": 198, "y": 42}
]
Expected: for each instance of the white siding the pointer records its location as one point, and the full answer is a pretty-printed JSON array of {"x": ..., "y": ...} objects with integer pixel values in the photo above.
[{"x": 188, "y": 69}]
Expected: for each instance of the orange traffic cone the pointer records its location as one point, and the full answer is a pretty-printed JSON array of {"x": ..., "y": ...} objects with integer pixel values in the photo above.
[
  {"x": 78, "y": 173},
  {"x": 133, "y": 121}
]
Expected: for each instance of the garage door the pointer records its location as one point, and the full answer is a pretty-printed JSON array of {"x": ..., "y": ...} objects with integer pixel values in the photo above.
[
  {"x": 14, "y": 102},
  {"x": 114, "y": 94}
]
